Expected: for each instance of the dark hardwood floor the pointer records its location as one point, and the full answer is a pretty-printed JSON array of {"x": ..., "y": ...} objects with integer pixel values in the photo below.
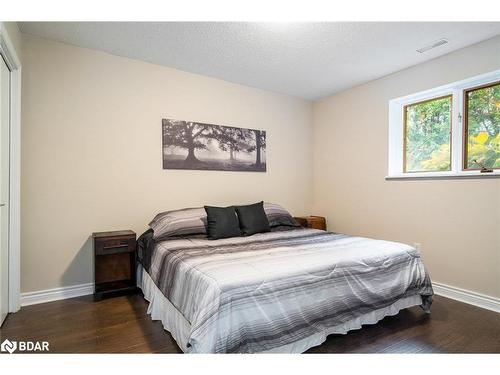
[{"x": 121, "y": 325}]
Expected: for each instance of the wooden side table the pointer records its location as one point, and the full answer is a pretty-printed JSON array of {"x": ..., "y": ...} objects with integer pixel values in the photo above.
[
  {"x": 315, "y": 222},
  {"x": 114, "y": 263}
]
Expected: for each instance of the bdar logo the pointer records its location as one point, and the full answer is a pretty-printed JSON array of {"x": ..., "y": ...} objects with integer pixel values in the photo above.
[
  {"x": 8, "y": 346},
  {"x": 24, "y": 346}
]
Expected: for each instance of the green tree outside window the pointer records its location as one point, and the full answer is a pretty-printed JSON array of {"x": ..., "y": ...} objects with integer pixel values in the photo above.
[
  {"x": 483, "y": 127},
  {"x": 428, "y": 135}
]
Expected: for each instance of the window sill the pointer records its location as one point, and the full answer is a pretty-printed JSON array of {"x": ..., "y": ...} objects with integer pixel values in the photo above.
[{"x": 443, "y": 176}]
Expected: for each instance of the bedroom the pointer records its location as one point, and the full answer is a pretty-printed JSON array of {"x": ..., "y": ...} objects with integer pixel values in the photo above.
[{"x": 250, "y": 187}]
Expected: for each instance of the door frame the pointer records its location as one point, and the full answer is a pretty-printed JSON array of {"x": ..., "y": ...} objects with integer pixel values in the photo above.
[{"x": 11, "y": 57}]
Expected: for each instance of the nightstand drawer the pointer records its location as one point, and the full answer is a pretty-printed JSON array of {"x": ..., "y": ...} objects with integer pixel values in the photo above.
[{"x": 114, "y": 246}]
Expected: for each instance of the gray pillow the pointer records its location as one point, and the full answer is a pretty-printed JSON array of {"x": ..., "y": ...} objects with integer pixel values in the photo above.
[
  {"x": 184, "y": 222},
  {"x": 278, "y": 216}
]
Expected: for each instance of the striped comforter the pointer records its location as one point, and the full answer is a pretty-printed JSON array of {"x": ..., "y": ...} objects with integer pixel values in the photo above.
[{"x": 258, "y": 293}]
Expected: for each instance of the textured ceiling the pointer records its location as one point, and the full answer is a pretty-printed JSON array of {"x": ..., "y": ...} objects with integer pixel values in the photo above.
[{"x": 307, "y": 60}]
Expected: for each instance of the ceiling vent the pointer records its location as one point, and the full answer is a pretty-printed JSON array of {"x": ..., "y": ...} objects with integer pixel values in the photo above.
[{"x": 437, "y": 43}]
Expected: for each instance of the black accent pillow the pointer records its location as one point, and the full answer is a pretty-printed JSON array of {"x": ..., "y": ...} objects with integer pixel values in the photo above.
[
  {"x": 253, "y": 219},
  {"x": 222, "y": 222}
]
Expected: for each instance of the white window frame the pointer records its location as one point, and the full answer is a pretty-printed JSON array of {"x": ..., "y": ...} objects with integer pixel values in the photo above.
[{"x": 396, "y": 128}]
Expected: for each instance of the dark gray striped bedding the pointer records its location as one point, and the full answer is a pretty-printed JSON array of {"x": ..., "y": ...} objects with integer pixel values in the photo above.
[{"x": 258, "y": 293}]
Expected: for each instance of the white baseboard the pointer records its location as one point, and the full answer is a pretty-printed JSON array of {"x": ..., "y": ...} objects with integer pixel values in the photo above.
[
  {"x": 462, "y": 295},
  {"x": 472, "y": 298},
  {"x": 41, "y": 296}
]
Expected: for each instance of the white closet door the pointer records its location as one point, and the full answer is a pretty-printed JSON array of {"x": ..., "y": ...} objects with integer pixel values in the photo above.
[{"x": 4, "y": 187}]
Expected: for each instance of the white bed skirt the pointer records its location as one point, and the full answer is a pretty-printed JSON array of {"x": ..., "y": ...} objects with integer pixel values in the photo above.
[{"x": 173, "y": 321}]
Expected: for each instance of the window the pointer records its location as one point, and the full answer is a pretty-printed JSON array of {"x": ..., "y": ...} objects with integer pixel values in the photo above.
[
  {"x": 427, "y": 132},
  {"x": 482, "y": 127},
  {"x": 449, "y": 131}
]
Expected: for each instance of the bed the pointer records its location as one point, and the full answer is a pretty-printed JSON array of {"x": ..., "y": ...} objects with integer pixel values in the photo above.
[{"x": 276, "y": 292}]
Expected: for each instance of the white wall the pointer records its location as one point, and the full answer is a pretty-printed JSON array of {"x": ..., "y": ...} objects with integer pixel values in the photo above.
[
  {"x": 456, "y": 221},
  {"x": 92, "y": 157}
]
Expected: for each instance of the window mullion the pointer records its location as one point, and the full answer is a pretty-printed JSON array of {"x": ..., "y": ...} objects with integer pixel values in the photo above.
[{"x": 456, "y": 132}]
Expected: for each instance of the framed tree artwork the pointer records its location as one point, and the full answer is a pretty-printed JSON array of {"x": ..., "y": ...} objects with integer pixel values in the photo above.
[{"x": 200, "y": 146}]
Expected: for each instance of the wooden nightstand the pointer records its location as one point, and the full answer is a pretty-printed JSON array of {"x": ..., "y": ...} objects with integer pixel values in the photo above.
[
  {"x": 315, "y": 222},
  {"x": 114, "y": 263}
]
